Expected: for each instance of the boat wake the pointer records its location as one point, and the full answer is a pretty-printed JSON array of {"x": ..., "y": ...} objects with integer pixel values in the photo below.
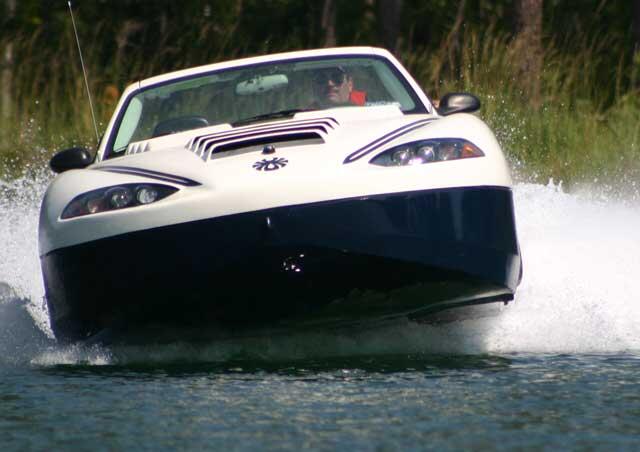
[{"x": 579, "y": 295}]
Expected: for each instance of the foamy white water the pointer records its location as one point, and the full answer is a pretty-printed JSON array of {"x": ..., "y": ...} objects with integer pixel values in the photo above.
[{"x": 580, "y": 293}]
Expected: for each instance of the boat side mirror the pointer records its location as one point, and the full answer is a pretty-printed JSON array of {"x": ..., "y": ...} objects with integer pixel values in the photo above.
[
  {"x": 458, "y": 103},
  {"x": 73, "y": 158}
]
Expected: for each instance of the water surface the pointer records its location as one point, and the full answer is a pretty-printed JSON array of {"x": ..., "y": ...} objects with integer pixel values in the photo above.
[{"x": 557, "y": 369}]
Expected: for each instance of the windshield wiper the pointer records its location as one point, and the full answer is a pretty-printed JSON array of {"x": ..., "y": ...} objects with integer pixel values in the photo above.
[{"x": 272, "y": 115}]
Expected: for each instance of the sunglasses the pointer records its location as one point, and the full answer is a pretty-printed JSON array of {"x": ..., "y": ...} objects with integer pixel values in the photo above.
[{"x": 336, "y": 76}]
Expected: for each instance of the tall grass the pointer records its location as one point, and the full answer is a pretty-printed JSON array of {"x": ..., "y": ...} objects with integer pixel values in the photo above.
[{"x": 582, "y": 132}]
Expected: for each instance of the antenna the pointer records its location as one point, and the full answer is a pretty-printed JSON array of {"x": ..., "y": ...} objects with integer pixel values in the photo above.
[{"x": 84, "y": 71}]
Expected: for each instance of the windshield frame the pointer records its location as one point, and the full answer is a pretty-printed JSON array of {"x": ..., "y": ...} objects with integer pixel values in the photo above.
[{"x": 420, "y": 107}]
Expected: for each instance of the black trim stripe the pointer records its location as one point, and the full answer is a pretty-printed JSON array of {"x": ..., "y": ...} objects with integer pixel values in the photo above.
[
  {"x": 196, "y": 142},
  {"x": 379, "y": 142},
  {"x": 150, "y": 174}
]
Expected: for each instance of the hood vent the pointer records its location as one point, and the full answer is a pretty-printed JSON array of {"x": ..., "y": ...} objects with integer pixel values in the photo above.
[
  {"x": 246, "y": 139},
  {"x": 138, "y": 147}
]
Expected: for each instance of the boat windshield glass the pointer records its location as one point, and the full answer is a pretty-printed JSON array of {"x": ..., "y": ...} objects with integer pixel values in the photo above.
[{"x": 250, "y": 94}]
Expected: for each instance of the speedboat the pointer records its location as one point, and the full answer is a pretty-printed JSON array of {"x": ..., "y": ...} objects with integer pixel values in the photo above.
[{"x": 293, "y": 190}]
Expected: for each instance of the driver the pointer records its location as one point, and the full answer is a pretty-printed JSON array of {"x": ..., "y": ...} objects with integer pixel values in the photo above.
[{"x": 334, "y": 86}]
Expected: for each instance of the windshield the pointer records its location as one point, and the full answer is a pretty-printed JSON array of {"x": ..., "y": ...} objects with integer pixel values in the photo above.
[{"x": 249, "y": 94}]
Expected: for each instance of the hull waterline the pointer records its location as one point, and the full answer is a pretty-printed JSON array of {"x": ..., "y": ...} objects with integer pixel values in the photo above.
[{"x": 415, "y": 254}]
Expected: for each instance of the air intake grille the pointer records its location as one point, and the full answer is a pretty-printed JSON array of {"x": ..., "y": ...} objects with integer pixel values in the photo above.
[{"x": 313, "y": 130}]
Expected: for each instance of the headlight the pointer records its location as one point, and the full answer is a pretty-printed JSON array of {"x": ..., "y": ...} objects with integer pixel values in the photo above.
[
  {"x": 427, "y": 151},
  {"x": 115, "y": 198}
]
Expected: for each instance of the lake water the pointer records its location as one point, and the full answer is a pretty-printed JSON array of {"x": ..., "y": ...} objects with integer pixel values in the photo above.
[{"x": 558, "y": 369}]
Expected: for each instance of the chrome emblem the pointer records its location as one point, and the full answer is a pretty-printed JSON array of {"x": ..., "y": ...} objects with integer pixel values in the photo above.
[{"x": 270, "y": 164}]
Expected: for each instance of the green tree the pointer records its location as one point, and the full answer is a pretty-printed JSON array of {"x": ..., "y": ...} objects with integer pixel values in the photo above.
[{"x": 528, "y": 42}]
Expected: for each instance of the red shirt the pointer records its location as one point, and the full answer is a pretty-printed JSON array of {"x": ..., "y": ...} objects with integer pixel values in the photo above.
[{"x": 358, "y": 97}]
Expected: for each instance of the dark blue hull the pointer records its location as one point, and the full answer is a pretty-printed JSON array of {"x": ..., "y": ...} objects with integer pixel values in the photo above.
[{"x": 412, "y": 254}]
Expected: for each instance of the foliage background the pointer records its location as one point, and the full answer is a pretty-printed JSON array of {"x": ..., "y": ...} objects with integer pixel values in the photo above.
[{"x": 582, "y": 126}]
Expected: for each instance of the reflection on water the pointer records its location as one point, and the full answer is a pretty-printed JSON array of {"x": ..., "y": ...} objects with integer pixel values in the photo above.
[
  {"x": 347, "y": 368},
  {"x": 393, "y": 402}
]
